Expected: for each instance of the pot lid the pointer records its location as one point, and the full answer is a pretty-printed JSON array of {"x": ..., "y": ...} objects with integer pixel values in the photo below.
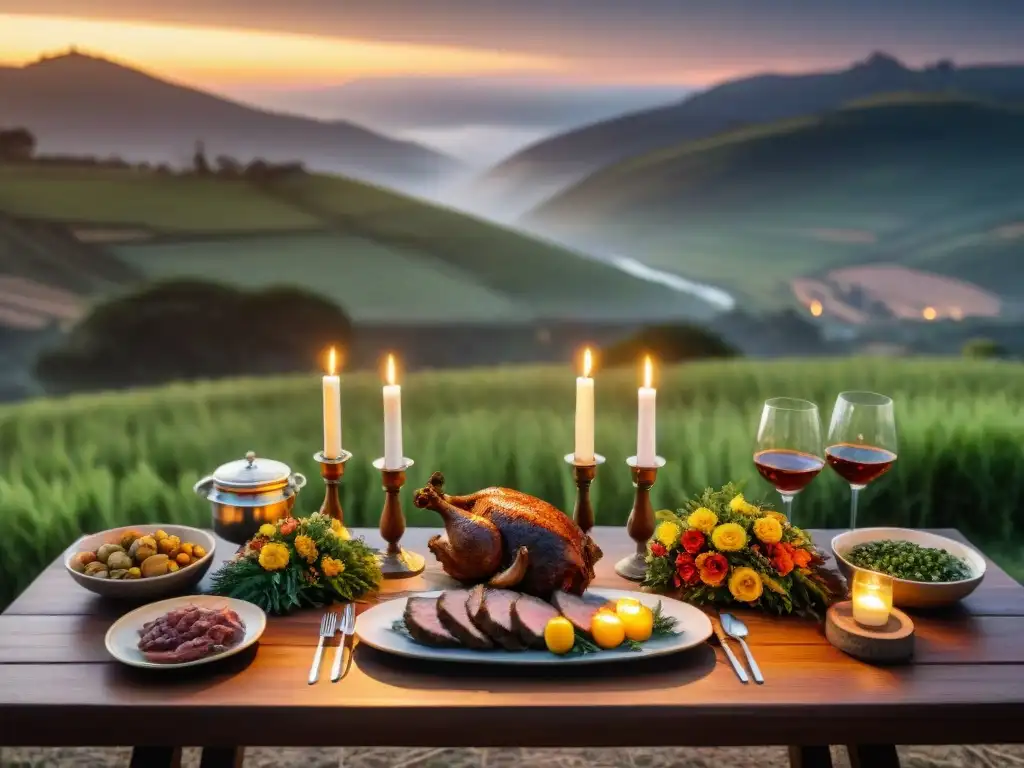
[{"x": 252, "y": 474}]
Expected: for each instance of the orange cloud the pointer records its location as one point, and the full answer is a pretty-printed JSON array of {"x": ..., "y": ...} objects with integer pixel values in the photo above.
[{"x": 231, "y": 56}]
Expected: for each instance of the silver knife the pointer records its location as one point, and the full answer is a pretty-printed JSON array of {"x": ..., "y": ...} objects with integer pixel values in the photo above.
[
  {"x": 716, "y": 624},
  {"x": 348, "y": 628}
]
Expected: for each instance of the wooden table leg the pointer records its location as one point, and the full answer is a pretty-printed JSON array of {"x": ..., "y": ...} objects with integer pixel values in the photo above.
[
  {"x": 156, "y": 757},
  {"x": 810, "y": 757},
  {"x": 873, "y": 756},
  {"x": 222, "y": 757}
]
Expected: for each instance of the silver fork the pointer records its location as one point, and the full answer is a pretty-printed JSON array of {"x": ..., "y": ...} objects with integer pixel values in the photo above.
[
  {"x": 328, "y": 625},
  {"x": 737, "y": 630},
  {"x": 348, "y": 628}
]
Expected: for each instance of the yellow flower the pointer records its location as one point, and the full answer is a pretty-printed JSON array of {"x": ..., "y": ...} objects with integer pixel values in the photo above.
[
  {"x": 306, "y": 548},
  {"x": 340, "y": 530},
  {"x": 332, "y": 567},
  {"x": 768, "y": 530},
  {"x": 274, "y": 557},
  {"x": 776, "y": 516},
  {"x": 667, "y": 533},
  {"x": 745, "y": 585},
  {"x": 741, "y": 505},
  {"x": 729, "y": 537},
  {"x": 703, "y": 519},
  {"x": 267, "y": 530}
]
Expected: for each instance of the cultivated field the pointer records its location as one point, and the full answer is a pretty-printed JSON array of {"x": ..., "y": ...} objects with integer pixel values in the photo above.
[{"x": 91, "y": 462}]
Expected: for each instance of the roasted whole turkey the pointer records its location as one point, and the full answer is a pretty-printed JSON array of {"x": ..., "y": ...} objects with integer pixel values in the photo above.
[{"x": 509, "y": 540}]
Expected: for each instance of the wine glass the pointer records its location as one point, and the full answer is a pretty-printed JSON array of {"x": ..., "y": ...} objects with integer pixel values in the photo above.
[
  {"x": 788, "y": 448},
  {"x": 861, "y": 441}
]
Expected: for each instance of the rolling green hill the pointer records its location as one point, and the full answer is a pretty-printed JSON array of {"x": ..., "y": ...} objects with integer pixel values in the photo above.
[
  {"x": 93, "y": 462},
  {"x": 383, "y": 256},
  {"x": 893, "y": 179}
]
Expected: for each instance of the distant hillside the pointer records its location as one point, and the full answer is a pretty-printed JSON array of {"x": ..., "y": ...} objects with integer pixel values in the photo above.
[
  {"x": 931, "y": 182},
  {"x": 546, "y": 168},
  {"x": 384, "y": 257},
  {"x": 77, "y": 104}
]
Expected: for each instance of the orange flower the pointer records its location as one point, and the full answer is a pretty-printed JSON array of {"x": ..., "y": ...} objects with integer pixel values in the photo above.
[
  {"x": 783, "y": 562},
  {"x": 713, "y": 568},
  {"x": 801, "y": 558}
]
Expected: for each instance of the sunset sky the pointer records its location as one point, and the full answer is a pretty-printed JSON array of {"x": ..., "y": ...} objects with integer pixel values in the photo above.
[{"x": 308, "y": 43}]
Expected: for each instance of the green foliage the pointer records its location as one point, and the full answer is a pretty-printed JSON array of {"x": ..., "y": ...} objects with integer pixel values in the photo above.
[
  {"x": 90, "y": 462},
  {"x": 983, "y": 349},
  {"x": 162, "y": 332},
  {"x": 304, "y": 581},
  {"x": 668, "y": 344}
]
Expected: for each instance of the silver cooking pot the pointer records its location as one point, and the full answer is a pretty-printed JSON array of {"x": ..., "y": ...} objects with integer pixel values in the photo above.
[{"x": 247, "y": 493}]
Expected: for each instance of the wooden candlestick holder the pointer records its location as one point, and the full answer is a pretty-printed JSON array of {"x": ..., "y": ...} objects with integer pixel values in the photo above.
[
  {"x": 889, "y": 644},
  {"x": 332, "y": 470},
  {"x": 395, "y": 562},
  {"x": 640, "y": 525},
  {"x": 583, "y": 474}
]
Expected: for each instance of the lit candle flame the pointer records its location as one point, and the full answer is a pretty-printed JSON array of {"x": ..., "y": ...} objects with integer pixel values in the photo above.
[
  {"x": 332, "y": 362},
  {"x": 587, "y": 362},
  {"x": 648, "y": 372},
  {"x": 391, "y": 369},
  {"x": 929, "y": 313},
  {"x": 816, "y": 308}
]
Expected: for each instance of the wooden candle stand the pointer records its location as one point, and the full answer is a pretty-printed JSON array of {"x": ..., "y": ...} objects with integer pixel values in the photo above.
[
  {"x": 583, "y": 474},
  {"x": 888, "y": 644},
  {"x": 640, "y": 525},
  {"x": 396, "y": 562},
  {"x": 332, "y": 470}
]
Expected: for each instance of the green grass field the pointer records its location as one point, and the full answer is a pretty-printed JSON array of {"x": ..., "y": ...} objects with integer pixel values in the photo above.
[
  {"x": 92, "y": 462},
  {"x": 383, "y": 256}
]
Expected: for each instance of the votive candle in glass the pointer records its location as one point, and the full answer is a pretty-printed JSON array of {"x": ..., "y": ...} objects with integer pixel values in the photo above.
[{"x": 871, "y": 595}]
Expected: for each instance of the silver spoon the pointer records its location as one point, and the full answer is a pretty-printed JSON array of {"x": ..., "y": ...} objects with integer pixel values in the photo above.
[{"x": 737, "y": 630}]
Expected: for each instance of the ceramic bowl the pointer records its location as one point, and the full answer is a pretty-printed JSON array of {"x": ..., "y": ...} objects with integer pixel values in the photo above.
[
  {"x": 915, "y": 594},
  {"x": 178, "y": 583}
]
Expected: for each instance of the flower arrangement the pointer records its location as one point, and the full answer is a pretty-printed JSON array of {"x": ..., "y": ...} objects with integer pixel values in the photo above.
[
  {"x": 721, "y": 549},
  {"x": 295, "y": 563}
]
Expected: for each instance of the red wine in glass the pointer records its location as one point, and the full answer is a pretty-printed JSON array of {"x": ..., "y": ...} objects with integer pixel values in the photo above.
[
  {"x": 789, "y": 471},
  {"x": 859, "y": 464},
  {"x": 787, "y": 450},
  {"x": 861, "y": 441}
]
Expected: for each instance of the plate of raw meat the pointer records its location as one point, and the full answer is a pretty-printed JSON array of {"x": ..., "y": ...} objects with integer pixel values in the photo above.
[
  {"x": 498, "y": 626},
  {"x": 185, "y": 632}
]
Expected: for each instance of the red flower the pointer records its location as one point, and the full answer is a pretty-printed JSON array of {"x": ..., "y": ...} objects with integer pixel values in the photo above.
[
  {"x": 689, "y": 574},
  {"x": 257, "y": 544},
  {"x": 686, "y": 569},
  {"x": 289, "y": 526},
  {"x": 693, "y": 541},
  {"x": 676, "y": 581},
  {"x": 658, "y": 549},
  {"x": 783, "y": 562}
]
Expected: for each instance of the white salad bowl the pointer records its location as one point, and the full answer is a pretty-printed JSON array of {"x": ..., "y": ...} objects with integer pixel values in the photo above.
[{"x": 915, "y": 594}]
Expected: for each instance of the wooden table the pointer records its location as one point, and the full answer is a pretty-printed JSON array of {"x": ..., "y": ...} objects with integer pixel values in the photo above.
[{"x": 58, "y": 687}]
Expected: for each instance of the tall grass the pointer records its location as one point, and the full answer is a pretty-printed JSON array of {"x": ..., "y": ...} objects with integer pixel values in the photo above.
[{"x": 90, "y": 462}]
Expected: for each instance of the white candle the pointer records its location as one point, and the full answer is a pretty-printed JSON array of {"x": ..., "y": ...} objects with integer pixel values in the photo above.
[
  {"x": 871, "y": 596},
  {"x": 332, "y": 409},
  {"x": 646, "y": 450},
  {"x": 393, "y": 458},
  {"x": 584, "y": 453}
]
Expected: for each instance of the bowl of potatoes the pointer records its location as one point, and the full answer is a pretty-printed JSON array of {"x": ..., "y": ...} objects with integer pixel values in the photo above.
[{"x": 141, "y": 562}]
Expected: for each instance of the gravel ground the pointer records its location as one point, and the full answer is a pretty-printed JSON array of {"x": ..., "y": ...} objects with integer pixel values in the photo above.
[{"x": 766, "y": 757}]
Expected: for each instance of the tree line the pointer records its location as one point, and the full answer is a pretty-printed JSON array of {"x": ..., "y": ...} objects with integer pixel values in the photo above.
[{"x": 19, "y": 145}]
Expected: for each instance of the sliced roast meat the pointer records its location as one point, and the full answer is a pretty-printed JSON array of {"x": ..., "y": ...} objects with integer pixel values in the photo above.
[
  {"x": 495, "y": 618},
  {"x": 579, "y": 610},
  {"x": 453, "y": 611},
  {"x": 475, "y": 603},
  {"x": 190, "y": 633},
  {"x": 530, "y": 615},
  {"x": 424, "y": 624}
]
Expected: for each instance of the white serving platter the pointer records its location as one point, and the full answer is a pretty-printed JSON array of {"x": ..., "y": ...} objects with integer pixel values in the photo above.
[
  {"x": 123, "y": 636},
  {"x": 374, "y": 627}
]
